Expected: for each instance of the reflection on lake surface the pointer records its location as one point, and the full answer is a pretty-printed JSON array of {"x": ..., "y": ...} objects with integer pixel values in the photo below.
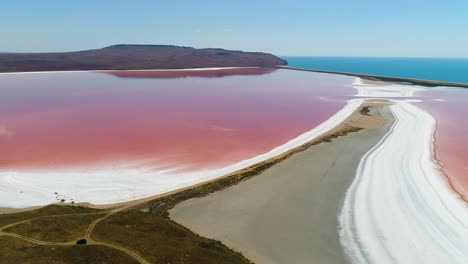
[{"x": 163, "y": 119}]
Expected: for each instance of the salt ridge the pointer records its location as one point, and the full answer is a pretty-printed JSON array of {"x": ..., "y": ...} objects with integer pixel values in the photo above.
[{"x": 399, "y": 208}]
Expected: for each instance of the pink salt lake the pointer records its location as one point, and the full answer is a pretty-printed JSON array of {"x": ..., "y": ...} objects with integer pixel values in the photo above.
[
  {"x": 187, "y": 120},
  {"x": 168, "y": 119}
]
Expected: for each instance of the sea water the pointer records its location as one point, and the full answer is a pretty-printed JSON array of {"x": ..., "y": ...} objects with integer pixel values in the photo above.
[{"x": 437, "y": 69}]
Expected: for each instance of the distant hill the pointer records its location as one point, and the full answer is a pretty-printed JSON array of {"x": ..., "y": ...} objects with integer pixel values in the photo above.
[{"x": 134, "y": 57}]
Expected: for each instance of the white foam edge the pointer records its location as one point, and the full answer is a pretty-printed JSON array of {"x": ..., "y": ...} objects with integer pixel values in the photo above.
[{"x": 112, "y": 185}]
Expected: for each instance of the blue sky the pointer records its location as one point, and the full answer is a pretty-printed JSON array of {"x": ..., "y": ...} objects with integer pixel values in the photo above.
[{"x": 404, "y": 28}]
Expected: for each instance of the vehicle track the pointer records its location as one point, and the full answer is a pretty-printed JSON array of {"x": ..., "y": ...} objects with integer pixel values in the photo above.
[{"x": 90, "y": 240}]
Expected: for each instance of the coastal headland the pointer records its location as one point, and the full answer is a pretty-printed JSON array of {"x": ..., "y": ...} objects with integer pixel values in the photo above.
[{"x": 134, "y": 57}]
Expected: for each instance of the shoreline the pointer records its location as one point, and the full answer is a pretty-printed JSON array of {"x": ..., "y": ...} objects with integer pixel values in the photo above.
[
  {"x": 220, "y": 185},
  {"x": 370, "y": 77},
  {"x": 221, "y": 172},
  {"x": 182, "y": 69},
  {"x": 401, "y": 80},
  {"x": 155, "y": 212},
  {"x": 360, "y": 84},
  {"x": 312, "y": 134}
]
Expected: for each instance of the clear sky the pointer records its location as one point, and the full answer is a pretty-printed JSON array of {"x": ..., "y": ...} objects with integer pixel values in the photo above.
[{"x": 406, "y": 28}]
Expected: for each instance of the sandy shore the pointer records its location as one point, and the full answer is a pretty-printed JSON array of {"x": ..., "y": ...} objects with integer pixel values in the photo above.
[{"x": 288, "y": 214}]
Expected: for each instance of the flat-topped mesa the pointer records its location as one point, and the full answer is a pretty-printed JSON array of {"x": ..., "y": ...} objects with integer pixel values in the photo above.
[{"x": 135, "y": 57}]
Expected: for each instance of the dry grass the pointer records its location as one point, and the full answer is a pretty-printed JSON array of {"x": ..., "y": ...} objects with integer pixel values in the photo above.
[
  {"x": 17, "y": 251},
  {"x": 55, "y": 228},
  {"x": 161, "y": 240},
  {"x": 47, "y": 210}
]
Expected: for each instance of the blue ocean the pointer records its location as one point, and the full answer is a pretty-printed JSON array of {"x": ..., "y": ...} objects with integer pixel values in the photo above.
[{"x": 436, "y": 69}]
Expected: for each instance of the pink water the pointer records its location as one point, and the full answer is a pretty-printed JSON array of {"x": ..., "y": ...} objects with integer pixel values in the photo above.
[
  {"x": 174, "y": 119},
  {"x": 450, "y": 108}
]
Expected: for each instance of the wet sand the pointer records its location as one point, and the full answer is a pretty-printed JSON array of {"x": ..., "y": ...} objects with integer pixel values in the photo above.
[{"x": 288, "y": 214}]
